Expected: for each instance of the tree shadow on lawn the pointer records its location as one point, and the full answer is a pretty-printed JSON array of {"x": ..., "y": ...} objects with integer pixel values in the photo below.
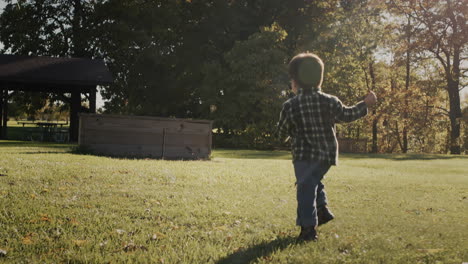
[
  {"x": 286, "y": 155},
  {"x": 14, "y": 143},
  {"x": 402, "y": 156},
  {"x": 254, "y": 252},
  {"x": 251, "y": 154}
]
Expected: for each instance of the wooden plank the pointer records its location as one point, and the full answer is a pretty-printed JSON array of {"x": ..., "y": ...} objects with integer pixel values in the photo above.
[
  {"x": 197, "y": 121},
  {"x": 146, "y": 136}
]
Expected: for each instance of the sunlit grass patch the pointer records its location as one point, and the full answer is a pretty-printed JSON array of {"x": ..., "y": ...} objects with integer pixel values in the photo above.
[{"x": 239, "y": 207}]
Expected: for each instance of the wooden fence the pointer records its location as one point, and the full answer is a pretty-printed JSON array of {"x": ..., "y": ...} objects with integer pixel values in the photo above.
[
  {"x": 351, "y": 145},
  {"x": 142, "y": 136}
]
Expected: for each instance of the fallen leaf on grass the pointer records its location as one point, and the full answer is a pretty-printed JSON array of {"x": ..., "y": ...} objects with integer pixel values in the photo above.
[
  {"x": 3, "y": 252},
  {"x": 132, "y": 247},
  {"x": 120, "y": 231},
  {"x": 430, "y": 250},
  {"x": 157, "y": 236},
  {"x": 73, "y": 221},
  {"x": 223, "y": 228},
  {"x": 79, "y": 243},
  {"x": 45, "y": 218},
  {"x": 27, "y": 239}
]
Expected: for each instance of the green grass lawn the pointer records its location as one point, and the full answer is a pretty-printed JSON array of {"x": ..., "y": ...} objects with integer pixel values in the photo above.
[{"x": 56, "y": 206}]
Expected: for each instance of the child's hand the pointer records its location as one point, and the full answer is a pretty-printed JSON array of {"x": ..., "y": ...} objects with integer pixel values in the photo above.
[{"x": 370, "y": 99}]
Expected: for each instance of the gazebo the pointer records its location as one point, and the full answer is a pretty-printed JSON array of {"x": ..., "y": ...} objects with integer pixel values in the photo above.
[{"x": 74, "y": 76}]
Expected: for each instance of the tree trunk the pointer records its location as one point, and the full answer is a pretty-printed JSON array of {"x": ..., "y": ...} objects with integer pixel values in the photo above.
[
  {"x": 404, "y": 148},
  {"x": 79, "y": 47},
  {"x": 375, "y": 148},
  {"x": 455, "y": 115}
]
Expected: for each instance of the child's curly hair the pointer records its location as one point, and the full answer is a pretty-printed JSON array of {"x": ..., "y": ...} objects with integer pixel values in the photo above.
[{"x": 307, "y": 70}]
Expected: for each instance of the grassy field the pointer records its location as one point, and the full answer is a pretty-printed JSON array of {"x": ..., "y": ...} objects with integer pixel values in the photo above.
[{"x": 56, "y": 206}]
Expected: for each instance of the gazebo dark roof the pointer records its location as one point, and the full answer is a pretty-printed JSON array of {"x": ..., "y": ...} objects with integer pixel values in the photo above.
[
  {"x": 52, "y": 71},
  {"x": 51, "y": 74}
]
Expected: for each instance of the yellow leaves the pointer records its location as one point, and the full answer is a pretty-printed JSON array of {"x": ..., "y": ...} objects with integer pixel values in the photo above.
[
  {"x": 33, "y": 196},
  {"x": 41, "y": 218},
  {"x": 44, "y": 217},
  {"x": 275, "y": 27},
  {"x": 28, "y": 239},
  {"x": 79, "y": 243},
  {"x": 73, "y": 221}
]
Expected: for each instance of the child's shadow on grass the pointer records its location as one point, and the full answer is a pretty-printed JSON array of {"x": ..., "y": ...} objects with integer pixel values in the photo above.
[{"x": 254, "y": 252}]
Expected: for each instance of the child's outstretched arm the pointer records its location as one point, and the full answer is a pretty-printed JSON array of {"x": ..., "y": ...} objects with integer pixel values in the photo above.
[{"x": 351, "y": 113}]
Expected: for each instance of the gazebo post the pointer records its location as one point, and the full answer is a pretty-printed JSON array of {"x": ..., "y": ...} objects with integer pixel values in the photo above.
[
  {"x": 5, "y": 112},
  {"x": 1, "y": 112},
  {"x": 74, "y": 119},
  {"x": 92, "y": 100}
]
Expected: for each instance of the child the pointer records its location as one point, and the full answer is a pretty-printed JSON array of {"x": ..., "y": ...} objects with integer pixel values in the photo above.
[{"x": 309, "y": 120}]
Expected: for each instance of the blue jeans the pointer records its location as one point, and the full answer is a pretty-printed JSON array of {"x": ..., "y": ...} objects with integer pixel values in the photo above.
[{"x": 310, "y": 190}]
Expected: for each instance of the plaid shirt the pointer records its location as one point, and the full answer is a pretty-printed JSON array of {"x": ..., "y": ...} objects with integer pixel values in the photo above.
[{"x": 309, "y": 119}]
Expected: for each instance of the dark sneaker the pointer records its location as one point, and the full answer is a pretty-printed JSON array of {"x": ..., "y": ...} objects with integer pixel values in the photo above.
[
  {"x": 324, "y": 215},
  {"x": 308, "y": 234}
]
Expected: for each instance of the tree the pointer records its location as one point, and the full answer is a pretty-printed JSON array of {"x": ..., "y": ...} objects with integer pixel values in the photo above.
[
  {"x": 48, "y": 28},
  {"x": 244, "y": 90},
  {"x": 443, "y": 33},
  {"x": 348, "y": 49}
]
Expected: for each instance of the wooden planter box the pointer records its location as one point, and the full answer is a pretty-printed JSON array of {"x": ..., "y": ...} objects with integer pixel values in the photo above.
[
  {"x": 142, "y": 136},
  {"x": 350, "y": 145}
]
